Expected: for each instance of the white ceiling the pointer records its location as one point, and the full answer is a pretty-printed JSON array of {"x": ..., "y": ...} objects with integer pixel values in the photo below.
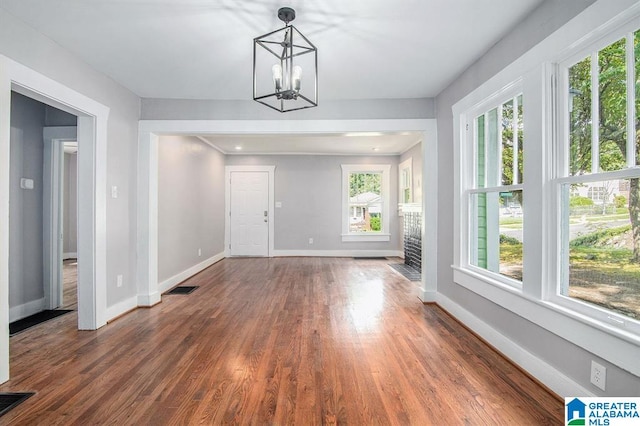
[
  {"x": 202, "y": 49},
  {"x": 366, "y": 143}
]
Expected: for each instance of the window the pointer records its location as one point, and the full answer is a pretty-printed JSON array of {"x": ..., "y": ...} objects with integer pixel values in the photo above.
[
  {"x": 578, "y": 185},
  {"x": 404, "y": 177},
  {"x": 365, "y": 195},
  {"x": 496, "y": 195},
  {"x": 598, "y": 180}
]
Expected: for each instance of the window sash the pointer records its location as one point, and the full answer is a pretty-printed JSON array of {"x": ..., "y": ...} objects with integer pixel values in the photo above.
[{"x": 383, "y": 234}]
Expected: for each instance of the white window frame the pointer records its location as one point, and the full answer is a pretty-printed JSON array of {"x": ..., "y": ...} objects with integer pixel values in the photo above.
[
  {"x": 559, "y": 257},
  {"x": 469, "y": 166},
  {"x": 385, "y": 171},
  {"x": 536, "y": 70},
  {"x": 405, "y": 169}
]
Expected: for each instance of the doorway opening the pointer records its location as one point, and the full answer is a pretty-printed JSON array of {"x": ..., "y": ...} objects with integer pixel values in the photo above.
[
  {"x": 92, "y": 137},
  {"x": 37, "y": 207}
]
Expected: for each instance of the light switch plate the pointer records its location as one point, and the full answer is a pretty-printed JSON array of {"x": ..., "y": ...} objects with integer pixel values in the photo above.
[{"x": 26, "y": 183}]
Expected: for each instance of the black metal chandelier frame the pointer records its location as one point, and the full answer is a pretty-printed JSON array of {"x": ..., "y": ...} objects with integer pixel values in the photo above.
[{"x": 286, "y": 51}]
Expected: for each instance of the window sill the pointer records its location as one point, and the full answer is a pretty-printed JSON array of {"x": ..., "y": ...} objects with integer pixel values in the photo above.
[{"x": 348, "y": 238}]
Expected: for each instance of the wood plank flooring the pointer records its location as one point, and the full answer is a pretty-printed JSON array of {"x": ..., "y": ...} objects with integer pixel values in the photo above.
[
  {"x": 70, "y": 284},
  {"x": 274, "y": 341}
]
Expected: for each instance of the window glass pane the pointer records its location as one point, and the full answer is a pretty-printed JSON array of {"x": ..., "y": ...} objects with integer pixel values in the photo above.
[
  {"x": 613, "y": 106},
  {"x": 580, "y": 118},
  {"x": 520, "y": 139},
  {"x": 365, "y": 202},
  {"x": 488, "y": 148},
  {"x": 602, "y": 258},
  {"x": 511, "y": 153},
  {"x": 480, "y": 152},
  {"x": 492, "y": 160},
  {"x": 497, "y": 232},
  {"x": 507, "y": 143}
]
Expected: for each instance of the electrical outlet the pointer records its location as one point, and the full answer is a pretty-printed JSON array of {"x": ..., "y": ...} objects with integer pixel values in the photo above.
[
  {"x": 310, "y": 240},
  {"x": 199, "y": 252},
  {"x": 598, "y": 375},
  {"x": 119, "y": 280}
]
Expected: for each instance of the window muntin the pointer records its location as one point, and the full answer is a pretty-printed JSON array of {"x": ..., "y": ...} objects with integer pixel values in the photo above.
[
  {"x": 495, "y": 200},
  {"x": 598, "y": 189},
  {"x": 365, "y": 201}
]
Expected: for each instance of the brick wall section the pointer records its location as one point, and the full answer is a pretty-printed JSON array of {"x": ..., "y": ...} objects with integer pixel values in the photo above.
[{"x": 413, "y": 239}]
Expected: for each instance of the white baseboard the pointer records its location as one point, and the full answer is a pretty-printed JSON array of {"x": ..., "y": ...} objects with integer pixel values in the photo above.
[
  {"x": 541, "y": 370},
  {"x": 120, "y": 308},
  {"x": 428, "y": 296},
  {"x": 71, "y": 255},
  {"x": 149, "y": 300},
  {"x": 178, "y": 278},
  {"x": 22, "y": 311},
  {"x": 336, "y": 253}
]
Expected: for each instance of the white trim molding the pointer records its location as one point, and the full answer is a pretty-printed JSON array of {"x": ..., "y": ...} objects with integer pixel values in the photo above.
[
  {"x": 122, "y": 307},
  {"x": 188, "y": 273},
  {"x": 553, "y": 378},
  {"x": 26, "y": 309}
]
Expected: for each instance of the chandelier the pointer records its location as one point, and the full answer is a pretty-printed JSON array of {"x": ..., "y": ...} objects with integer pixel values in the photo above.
[{"x": 285, "y": 67}]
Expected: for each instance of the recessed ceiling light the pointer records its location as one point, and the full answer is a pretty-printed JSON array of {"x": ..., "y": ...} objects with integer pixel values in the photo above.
[
  {"x": 376, "y": 149},
  {"x": 238, "y": 148}
]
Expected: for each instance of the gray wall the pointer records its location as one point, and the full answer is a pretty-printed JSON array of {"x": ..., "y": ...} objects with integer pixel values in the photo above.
[
  {"x": 310, "y": 190},
  {"x": 30, "y": 48},
  {"x": 190, "y": 204},
  {"x": 183, "y": 109},
  {"x": 70, "y": 204},
  {"x": 55, "y": 117},
  {"x": 25, "y": 205},
  {"x": 565, "y": 356}
]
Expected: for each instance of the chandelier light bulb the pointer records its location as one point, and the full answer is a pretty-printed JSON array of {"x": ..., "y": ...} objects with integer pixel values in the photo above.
[
  {"x": 277, "y": 76},
  {"x": 296, "y": 77}
]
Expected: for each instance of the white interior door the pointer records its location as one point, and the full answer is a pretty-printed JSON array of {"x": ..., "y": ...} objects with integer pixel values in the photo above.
[{"x": 249, "y": 214}]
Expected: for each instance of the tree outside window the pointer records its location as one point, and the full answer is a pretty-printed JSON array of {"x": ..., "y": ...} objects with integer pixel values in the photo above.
[{"x": 601, "y": 239}]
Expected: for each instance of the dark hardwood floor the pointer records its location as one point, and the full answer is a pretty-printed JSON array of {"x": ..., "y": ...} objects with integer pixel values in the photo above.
[
  {"x": 275, "y": 341},
  {"x": 70, "y": 284}
]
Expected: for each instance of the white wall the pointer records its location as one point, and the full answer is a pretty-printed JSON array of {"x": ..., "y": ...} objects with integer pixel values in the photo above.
[
  {"x": 310, "y": 190},
  {"x": 564, "y": 356},
  {"x": 25, "y": 205},
  {"x": 191, "y": 211},
  {"x": 30, "y": 48},
  {"x": 70, "y": 205}
]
